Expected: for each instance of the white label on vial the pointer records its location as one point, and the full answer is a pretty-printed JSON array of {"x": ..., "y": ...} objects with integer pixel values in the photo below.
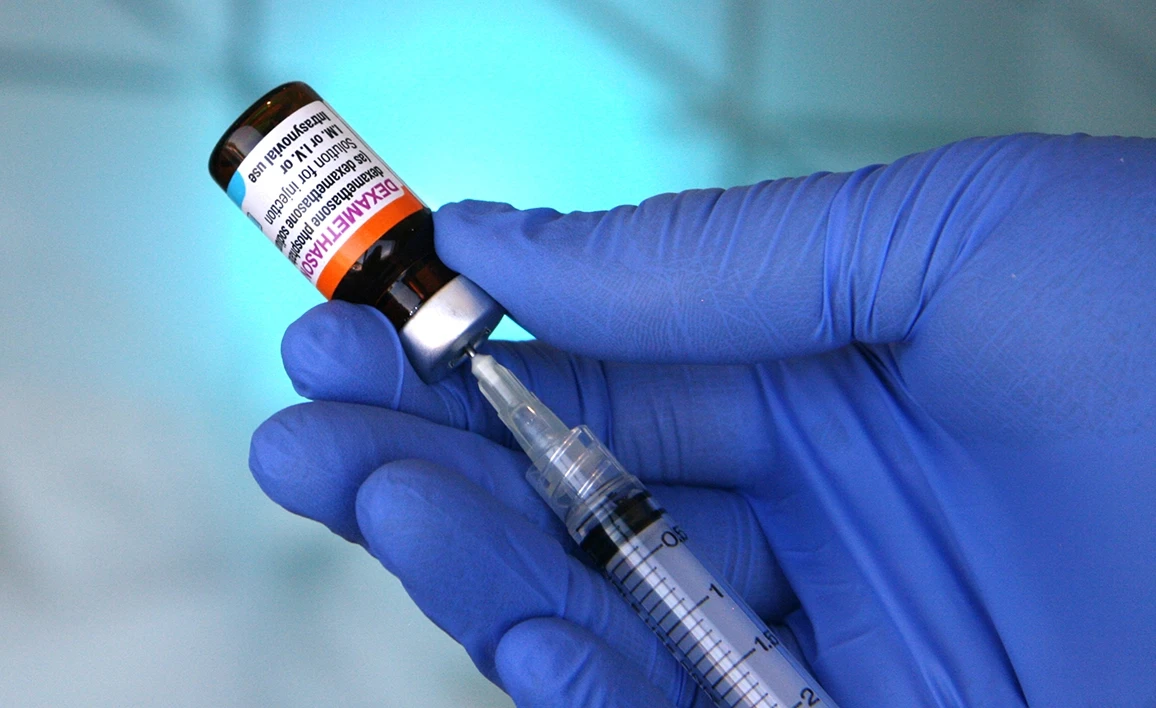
[{"x": 319, "y": 193}]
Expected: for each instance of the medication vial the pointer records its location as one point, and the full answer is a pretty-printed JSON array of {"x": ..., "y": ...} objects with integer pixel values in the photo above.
[{"x": 349, "y": 224}]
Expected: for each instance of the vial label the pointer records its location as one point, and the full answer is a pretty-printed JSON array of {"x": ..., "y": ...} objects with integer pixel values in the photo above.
[{"x": 319, "y": 193}]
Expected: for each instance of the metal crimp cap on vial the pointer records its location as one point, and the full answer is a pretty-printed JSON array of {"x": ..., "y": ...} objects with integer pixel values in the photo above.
[{"x": 459, "y": 315}]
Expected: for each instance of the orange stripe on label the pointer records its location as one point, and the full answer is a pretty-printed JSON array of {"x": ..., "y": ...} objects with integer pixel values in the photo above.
[{"x": 363, "y": 238}]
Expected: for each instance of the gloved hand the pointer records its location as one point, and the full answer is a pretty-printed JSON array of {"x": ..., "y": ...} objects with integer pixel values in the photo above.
[{"x": 907, "y": 411}]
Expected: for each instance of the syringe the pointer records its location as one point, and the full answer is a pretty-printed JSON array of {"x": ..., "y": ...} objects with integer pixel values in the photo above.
[{"x": 720, "y": 641}]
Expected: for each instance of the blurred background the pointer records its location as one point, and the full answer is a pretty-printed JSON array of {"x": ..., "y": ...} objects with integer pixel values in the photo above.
[{"x": 139, "y": 562}]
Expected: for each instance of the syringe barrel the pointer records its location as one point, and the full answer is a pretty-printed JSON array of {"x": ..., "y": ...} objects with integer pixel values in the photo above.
[
  {"x": 724, "y": 646},
  {"x": 733, "y": 656},
  {"x": 728, "y": 650}
]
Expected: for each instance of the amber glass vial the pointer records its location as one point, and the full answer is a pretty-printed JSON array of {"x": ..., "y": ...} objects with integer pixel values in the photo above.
[{"x": 349, "y": 224}]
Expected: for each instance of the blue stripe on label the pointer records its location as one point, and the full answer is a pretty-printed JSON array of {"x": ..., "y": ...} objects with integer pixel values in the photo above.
[{"x": 236, "y": 190}]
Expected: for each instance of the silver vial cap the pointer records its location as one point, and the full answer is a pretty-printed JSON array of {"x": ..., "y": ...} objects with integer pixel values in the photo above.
[{"x": 457, "y": 316}]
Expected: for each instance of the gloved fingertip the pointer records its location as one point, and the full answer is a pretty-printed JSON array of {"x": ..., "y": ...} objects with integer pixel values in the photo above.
[
  {"x": 271, "y": 447},
  {"x": 480, "y": 238},
  {"x": 282, "y": 469},
  {"x": 527, "y": 672},
  {"x": 343, "y": 351},
  {"x": 391, "y": 505},
  {"x": 305, "y": 348},
  {"x": 548, "y": 661},
  {"x": 468, "y": 212}
]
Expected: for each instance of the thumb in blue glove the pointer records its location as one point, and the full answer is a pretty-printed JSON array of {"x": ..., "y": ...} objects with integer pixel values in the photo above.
[{"x": 907, "y": 411}]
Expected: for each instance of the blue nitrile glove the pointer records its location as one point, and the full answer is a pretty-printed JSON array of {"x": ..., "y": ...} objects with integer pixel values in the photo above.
[{"x": 907, "y": 411}]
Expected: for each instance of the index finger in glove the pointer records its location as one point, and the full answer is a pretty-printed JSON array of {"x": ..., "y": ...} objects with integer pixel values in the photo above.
[{"x": 777, "y": 269}]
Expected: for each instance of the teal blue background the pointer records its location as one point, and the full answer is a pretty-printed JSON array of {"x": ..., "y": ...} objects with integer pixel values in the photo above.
[{"x": 139, "y": 563}]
